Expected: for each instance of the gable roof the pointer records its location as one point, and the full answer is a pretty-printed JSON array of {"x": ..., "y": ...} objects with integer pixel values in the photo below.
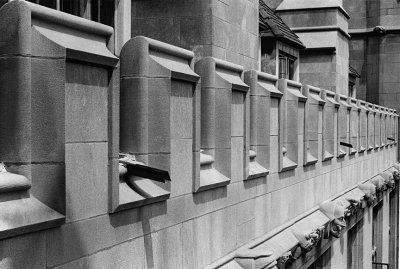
[{"x": 271, "y": 24}]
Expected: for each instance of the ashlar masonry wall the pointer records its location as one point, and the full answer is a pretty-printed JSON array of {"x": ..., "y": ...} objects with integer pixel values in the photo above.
[{"x": 190, "y": 227}]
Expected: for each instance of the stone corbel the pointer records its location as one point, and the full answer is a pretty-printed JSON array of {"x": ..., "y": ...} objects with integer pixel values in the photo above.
[
  {"x": 355, "y": 201},
  {"x": 395, "y": 171},
  {"x": 336, "y": 214},
  {"x": 389, "y": 179},
  {"x": 255, "y": 259},
  {"x": 379, "y": 183},
  {"x": 354, "y": 205},
  {"x": 284, "y": 260},
  {"x": 396, "y": 175},
  {"x": 370, "y": 192},
  {"x": 309, "y": 239}
]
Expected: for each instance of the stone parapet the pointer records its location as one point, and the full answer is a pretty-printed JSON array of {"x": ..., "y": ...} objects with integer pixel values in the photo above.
[{"x": 53, "y": 80}]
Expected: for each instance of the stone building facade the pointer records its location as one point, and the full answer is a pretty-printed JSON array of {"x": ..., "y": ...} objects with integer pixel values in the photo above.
[{"x": 160, "y": 134}]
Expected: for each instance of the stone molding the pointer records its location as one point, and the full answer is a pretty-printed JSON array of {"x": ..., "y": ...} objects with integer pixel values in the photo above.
[
  {"x": 36, "y": 41},
  {"x": 152, "y": 73},
  {"x": 302, "y": 235},
  {"x": 221, "y": 84}
]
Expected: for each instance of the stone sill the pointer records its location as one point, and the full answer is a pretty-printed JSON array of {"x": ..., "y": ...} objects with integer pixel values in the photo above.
[
  {"x": 287, "y": 164},
  {"x": 256, "y": 170},
  {"x": 341, "y": 153},
  {"x": 20, "y": 215},
  {"x": 352, "y": 151},
  {"x": 362, "y": 149},
  {"x": 370, "y": 148},
  {"x": 310, "y": 159},
  {"x": 327, "y": 156},
  {"x": 210, "y": 179},
  {"x": 128, "y": 198}
]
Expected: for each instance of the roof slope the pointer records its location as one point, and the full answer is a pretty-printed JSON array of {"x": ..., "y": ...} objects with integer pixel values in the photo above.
[
  {"x": 353, "y": 72},
  {"x": 271, "y": 24}
]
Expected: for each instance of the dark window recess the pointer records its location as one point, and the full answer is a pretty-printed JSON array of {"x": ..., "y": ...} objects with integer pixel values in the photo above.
[
  {"x": 323, "y": 261},
  {"x": 101, "y": 11},
  {"x": 286, "y": 66},
  {"x": 377, "y": 232},
  {"x": 268, "y": 55},
  {"x": 351, "y": 90}
]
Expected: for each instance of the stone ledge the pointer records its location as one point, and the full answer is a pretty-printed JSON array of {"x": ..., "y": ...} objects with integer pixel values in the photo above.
[
  {"x": 293, "y": 5},
  {"x": 210, "y": 178},
  {"x": 311, "y": 218},
  {"x": 26, "y": 215},
  {"x": 256, "y": 170}
]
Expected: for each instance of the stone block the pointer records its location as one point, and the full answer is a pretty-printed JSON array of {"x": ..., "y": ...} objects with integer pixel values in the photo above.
[
  {"x": 160, "y": 161},
  {"x": 222, "y": 116},
  {"x": 223, "y": 161},
  {"x": 43, "y": 47},
  {"x": 195, "y": 30},
  {"x": 274, "y": 151},
  {"x": 182, "y": 114},
  {"x": 159, "y": 110},
  {"x": 208, "y": 119},
  {"x": 220, "y": 32},
  {"x": 86, "y": 103},
  {"x": 48, "y": 110},
  {"x": 189, "y": 250},
  {"x": 237, "y": 114},
  {"x": 87, "y": 184},
  {"x": 48, "y": 185},
  {"x": 134, "y": 103},
  {"x": 72, "y": 241},
  {"x": 150, "y": 27},
  {"x": 245, "y": 232},
  {"x": 165, "y": 256},
  {"x": 237, "y": 159},
  {"x": 114, "y": 113},
  {"x": 16, "y": 40},
  {"x": 274, "y": 117},
  {"x": 15, "y": 109},
  {"x": 181, "y": 166},
  {"x": 24, "y": 252},
  {"x": 263, "y": 157},
  {"x": 120, "y": 256},
  {"x": 260, "y": 123}
]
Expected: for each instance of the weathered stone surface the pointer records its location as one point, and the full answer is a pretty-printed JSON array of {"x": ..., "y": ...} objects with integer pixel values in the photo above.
[
  {"x": 86, "y": 187},
  {"x": 15, "y": 119},
  {"x": 25, "y": 252},
  {"x": 48, "y": 110},
  {"x": 86, "y": 103}
]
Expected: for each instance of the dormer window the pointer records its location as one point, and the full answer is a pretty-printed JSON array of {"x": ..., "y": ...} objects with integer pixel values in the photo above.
[
  {"x": 279, "y": 45},
  {"x": 286, "y": 66}
]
